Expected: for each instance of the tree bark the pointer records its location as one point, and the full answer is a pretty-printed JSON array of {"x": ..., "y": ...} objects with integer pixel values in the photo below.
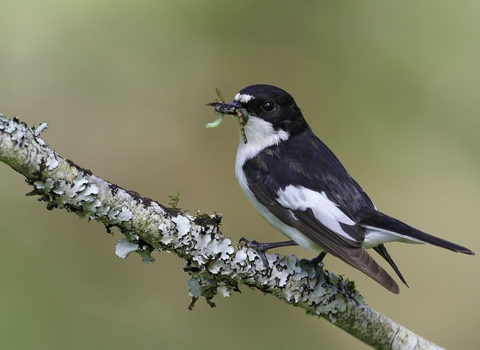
[{"x": 215, "y": 263}]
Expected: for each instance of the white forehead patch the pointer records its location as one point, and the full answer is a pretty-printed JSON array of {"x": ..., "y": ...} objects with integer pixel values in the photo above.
[{"x": 243, "y": 98}]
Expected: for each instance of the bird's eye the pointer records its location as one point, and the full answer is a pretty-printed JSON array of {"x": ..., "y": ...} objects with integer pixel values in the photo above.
[{"x": 268, "y": 106}]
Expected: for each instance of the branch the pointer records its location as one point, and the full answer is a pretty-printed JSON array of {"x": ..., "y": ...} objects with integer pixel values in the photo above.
[{"x": 216, "y": 264}]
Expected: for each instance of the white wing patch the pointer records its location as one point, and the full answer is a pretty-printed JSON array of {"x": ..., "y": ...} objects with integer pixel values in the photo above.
[
  {"x": 325, "y": 211},
  {"x": 243, "y": 98},
  {"x": 276, "y": 223}
]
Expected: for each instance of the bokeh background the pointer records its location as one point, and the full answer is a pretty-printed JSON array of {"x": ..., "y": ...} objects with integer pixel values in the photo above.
[{"x": 392, "y": 88}]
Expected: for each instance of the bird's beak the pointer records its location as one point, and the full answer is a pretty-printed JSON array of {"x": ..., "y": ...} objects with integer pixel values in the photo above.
[
  {"x": 232, "y": 108},
  {"x": 226, "y": 108}
]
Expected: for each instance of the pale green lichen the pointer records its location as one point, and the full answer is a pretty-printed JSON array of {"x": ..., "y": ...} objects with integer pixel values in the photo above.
[
  {"x": 124, "y": 247},
  {"x": 217, "y": 265}
]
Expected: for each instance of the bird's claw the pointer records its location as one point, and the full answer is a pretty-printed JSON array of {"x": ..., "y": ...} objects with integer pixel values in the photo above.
[
  {"x": 314, "y": 264},
  {"x": 259, "y": 247}
]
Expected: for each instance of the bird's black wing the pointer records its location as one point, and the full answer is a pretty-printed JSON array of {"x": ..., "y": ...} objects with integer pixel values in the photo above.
[{"x": 298, "y": 193}]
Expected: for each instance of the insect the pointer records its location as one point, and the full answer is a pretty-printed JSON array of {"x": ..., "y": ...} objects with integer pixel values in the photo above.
[
  {"x": 216, "y": 106},
  {"x": 242, "y": 120},
  {"x": 222, "y": 108}
]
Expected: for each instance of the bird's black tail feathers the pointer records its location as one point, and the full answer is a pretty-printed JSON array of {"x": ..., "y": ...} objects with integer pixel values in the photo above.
[
  {"x": 380, "y": 249},
  {"x": 388, "y": 223}
]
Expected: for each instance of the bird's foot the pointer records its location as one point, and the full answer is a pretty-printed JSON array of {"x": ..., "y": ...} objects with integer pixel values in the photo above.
[
  {"x": 261, "y": 248},
  {"x": 314, "y": 264}
]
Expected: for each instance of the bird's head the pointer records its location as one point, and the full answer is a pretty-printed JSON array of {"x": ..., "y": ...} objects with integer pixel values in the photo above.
[{"x": 264, "y": 110}]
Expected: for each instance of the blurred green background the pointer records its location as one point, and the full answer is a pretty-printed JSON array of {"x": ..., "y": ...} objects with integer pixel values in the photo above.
[{"x": 392, "y": 88}]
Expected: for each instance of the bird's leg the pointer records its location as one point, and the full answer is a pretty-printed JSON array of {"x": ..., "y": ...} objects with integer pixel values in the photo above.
[
  {"x": 263, "y": 247},
  {"x": 319, "y": 258},
  {"x": 266, "y": 246}
]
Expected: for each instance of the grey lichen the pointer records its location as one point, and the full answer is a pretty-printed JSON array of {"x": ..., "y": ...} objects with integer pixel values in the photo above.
[{"x": 216, "y": 264}]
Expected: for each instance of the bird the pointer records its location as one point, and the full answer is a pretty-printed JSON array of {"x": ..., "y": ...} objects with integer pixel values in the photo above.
[{"x": 298, "y": 185}]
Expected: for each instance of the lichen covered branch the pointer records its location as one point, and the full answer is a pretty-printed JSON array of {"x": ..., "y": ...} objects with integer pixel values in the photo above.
[{"x": 215, "y": 263}]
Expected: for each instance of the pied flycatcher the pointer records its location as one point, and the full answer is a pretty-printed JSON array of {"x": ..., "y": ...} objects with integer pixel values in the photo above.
[{"x": 300, "y": 187}]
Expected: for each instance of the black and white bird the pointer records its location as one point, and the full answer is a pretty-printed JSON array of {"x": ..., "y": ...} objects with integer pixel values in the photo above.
[{"x": 299, "y": 186}]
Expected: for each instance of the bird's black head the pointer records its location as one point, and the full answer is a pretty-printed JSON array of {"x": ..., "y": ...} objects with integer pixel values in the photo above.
[
  {"x": 273, "y": 105},
  {"x": 268, "y": 104}
]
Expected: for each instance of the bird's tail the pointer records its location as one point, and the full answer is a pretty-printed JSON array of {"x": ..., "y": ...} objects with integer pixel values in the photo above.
[
  {"x": 380, "y": 249},
  {"x": 406, "y": 233}
]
